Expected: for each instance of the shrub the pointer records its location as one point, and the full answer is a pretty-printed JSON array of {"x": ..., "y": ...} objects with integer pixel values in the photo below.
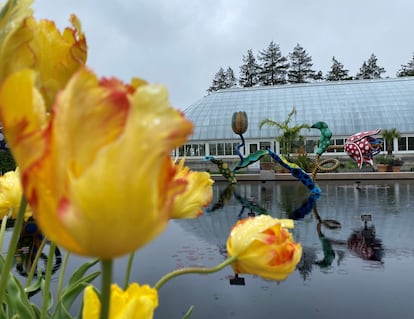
[{"x": 7, "y": 162}]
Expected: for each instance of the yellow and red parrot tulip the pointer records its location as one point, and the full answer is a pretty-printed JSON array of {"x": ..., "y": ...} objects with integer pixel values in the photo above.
[
  {"x": 197, "y": 195},
  {"x": 97, "y": 172},
  {"x": 28, "y": 43},
  {"x": 264, "y": 247}
]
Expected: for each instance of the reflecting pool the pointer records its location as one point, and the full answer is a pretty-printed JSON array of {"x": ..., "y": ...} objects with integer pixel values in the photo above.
[
  {"x": 358, "y": 256},
  {"x": 365, "y": 268}
]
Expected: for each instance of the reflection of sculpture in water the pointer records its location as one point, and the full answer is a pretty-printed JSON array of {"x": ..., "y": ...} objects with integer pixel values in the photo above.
[
  {"x": 362, "y": 241},
  {"x": 309, "y": 257},
  {"x": 364, "y": 244},
  {"x": 224, "y": 198},
  {"x": 306, "y": 207},
  {"x": 328, "y": 252},
  {"x": 28, "y": 246},
  {"x": 249, "y": 204}
]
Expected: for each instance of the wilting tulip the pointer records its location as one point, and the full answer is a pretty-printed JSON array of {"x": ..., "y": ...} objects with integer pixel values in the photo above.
[
  {"x": 264, "y": 247},
  {"x": 197, "y": 195},
  {"x": 40, "y": 46},
  {"x": 137, "y": 302},
  {"x": 11, "y": 194},
  {"x": 97, "y": 173}
]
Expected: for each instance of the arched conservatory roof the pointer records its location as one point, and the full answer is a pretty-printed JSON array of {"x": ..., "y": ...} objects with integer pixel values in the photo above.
[{"x": 347, "y": 107}]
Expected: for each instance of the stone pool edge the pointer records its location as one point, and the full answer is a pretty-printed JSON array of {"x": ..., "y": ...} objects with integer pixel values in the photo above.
[{"x": 271, "y": 176}]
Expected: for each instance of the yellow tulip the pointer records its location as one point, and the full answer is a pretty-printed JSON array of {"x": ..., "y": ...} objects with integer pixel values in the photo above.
[
  {"x": 197, "y": 195},
  {"x": 137, "y": 302},
  {"x": 11, "y": 194},
  {"x": 264, "y": 247},
  {"x": 39, "y": 45},
  {"x": 97, "y": 173}
]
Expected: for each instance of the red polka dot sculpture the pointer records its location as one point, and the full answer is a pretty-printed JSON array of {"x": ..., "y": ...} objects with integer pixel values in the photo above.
[{"x": 362, "y": 147}]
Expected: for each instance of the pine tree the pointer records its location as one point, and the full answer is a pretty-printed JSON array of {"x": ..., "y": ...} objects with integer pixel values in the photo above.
[
  {"x": 230, "y": 79},
  {"x": 407, "y": 69},
  {"x": 370, "y": 69},
  {"x": 219, "y": 81},
  {"x": 318, "y": 76},
  {"x": 300, "y": 70},
  {"x": 337, "y": 72},
  {"x": 273, "y": 66},
  {"x": 249, "y": 70},
  {"x": 364, "y": 72}
]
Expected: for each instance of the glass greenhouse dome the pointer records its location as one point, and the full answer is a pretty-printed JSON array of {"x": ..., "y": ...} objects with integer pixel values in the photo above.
[{"x": 348, "y": 107}]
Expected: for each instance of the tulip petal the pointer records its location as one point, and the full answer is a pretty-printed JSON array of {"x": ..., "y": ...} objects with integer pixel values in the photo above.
[
  {"x": 11, "y": 15},
  {"x": 91, "y": 304},
  {"x": 197, "y": 195},
  {"x": 23, "y": 116},
  {"x": 136, "y": 166},
  {"x": 41, "y": 47},
  {"x": 137, "y": 302}
]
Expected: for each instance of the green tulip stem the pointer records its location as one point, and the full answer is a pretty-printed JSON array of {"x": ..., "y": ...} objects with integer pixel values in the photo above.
[
  {"x": 2, "y": 231},
  {"x": 62, "y": 275},
  {"x": 107, "y": 265},
  {"x": 128, "y": 270},
  {"x": 193, "y": 270},
  {"x": 12, "y": 247},
  {"x": 35, "y": 261},
  {"x": 48, "y": 276}
]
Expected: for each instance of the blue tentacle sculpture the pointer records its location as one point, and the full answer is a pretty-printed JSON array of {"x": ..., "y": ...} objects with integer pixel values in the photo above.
[{"x": 296, "y": 172}]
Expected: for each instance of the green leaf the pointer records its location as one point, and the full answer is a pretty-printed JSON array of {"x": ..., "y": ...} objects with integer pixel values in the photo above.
[
  {"x": 34, "y": 286},
  {"x": 17, "y": 300},
  {"x": 17, "y": 303},
  {"x": 189, "y": 312},
  {"x": 69, "y": 295},
  {"x": 36, "y": 311},
  {"x": 80, "y": 272}
]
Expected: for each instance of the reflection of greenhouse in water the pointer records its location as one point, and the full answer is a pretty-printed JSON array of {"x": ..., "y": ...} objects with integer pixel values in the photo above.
[{"x": 388, "y": 204}]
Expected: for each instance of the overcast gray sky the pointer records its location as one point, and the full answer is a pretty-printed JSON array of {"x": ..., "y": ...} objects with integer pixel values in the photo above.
[{"x": 183, "y": 43}]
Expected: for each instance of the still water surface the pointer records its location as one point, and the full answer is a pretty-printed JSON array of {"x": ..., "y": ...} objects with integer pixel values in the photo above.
[
  {"x": 367, "y": 273},
  {"x": 359, "y": 270}
]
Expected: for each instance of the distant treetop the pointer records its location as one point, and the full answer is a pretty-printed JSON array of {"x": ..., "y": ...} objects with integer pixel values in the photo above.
[{"x": 407, "y": 69}]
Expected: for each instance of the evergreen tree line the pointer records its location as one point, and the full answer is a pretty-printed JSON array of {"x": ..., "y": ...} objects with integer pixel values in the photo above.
[{"x": 270, "y": 67}]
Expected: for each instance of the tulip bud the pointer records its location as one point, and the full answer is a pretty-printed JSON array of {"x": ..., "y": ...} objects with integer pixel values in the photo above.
[{"x": 239, "y": 122}]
